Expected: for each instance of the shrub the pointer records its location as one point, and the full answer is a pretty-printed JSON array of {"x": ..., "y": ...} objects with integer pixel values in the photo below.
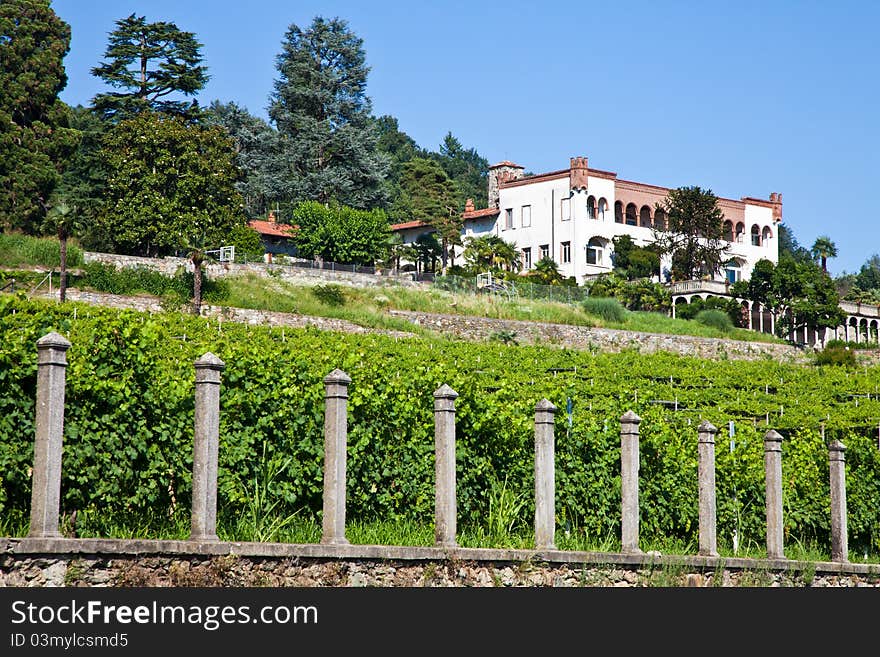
[
  {"x": 836, "y": 355},
  {"x": 606, "y": 308},
  {"x": 698, "y": 304},
  {"x": 133, "y": 280},
  {"x": 717, "y": 319},
  {"x": 332, "y": 295}
]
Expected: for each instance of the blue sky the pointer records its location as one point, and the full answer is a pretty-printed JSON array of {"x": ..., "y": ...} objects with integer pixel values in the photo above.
[{"x": 744, "y": 98}]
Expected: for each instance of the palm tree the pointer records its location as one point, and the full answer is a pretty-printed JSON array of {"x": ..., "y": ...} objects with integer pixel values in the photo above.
[
  {"x": 547, "y": 271},
  {"x": 824, "y": 248},
  {"x": 61, "y": 218}
]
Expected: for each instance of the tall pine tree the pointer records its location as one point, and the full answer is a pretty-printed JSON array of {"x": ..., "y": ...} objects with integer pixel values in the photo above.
[
  {"x": 257, "y": 151},
  {"x": 34, "y": 137},
  {"x": 152, "y": 62},
  {"x": 322, "y": 112}
]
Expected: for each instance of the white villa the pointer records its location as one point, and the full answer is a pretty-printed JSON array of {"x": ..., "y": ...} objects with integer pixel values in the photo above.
[{"x": 573, "y": 214}]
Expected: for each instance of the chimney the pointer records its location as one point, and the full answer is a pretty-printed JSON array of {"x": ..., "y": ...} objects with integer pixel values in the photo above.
[
  {"x": 271, "y": 217},
  {"x": 776, "y": 200},
  {"x": 578, "y": 173},
  {"x": 469, "y": 205},
  {"x": 501, "y": 173}
]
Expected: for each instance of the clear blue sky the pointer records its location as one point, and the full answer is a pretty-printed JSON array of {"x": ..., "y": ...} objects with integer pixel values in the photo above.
[{"x": 743, "y": 98}]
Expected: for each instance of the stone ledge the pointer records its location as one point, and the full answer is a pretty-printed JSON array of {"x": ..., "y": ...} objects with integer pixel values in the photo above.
[{"x": 70, "y": 547}]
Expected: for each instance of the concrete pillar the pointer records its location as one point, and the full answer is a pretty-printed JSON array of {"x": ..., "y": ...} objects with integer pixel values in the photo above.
[
  {"x": 46, "y": 482},
  {"x": 706, "y": 465},
  {"x": 839, "y": 549},
  {"x": 206, "y": 442},
  {"x": 773, "y": 483},
  {"x": 629, "y": 481},
  {"x": 545, "y": 476},
  {"x": 445, "y": 508},
  {"x": 335, "y": 445}
]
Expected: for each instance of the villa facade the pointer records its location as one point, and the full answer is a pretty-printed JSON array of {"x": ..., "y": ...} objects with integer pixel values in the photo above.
[{"x": 572, "y": 215}]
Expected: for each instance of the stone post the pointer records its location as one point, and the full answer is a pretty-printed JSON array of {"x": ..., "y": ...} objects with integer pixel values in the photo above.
[
  {"x": 773, "y": 483},
  {"x": 445, "y": 509},
  {"x": 206, "y": 441},
  {"x": 545, "y": 476},
  {"x": 706, "y": 448},
  {"x": 839, "y": 549},
  {"x": 335, "y": 445},
  {"x": 629, "y": 481},
  {"x": 46, "y": 483}
]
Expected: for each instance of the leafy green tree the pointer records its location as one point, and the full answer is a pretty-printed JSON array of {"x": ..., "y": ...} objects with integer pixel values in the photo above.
[
  {"x": 257, "y": 151},
  {"x": 338, "y": 233},
  {"x": 798, "y": 295},
  {"x": 788, "y": 244},
  {"x": 430, "y": 197},
  {"x": 822, "y": 249},
  {"x": 399, "y": 148},
  {"x": 466, "y": 168},
  {"x": 868, "y": 277},
  {"x": 35, "y": 140},
  {"x": 150, "y": 62},
  {"x": 171, "y": 183},
  {"x": 320, "y": 107},
  {"x": 694, "y": 235},
  {"x": 633, "y": 261}
]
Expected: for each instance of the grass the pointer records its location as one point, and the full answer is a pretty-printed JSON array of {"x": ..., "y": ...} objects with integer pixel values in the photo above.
[
  {"x": 18, "y": 250},
  {"x": 369, "y": 307}
]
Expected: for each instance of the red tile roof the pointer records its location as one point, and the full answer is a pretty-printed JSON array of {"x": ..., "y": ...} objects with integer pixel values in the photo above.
[
  {"x": 264, "y": 227},
  {"x": 476, "y": 214},
  {"x": 409, "y": 224}
]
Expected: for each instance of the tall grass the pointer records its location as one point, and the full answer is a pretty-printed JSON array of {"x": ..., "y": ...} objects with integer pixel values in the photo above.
[
  {"x": 369, "y": 307},
  {"x": 18, "y": 250}
]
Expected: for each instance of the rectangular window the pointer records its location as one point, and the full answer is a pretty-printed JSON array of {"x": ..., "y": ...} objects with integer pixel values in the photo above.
[
  {"x": 565, "y": 249},
  {"x": 594, "y": 255},
  {"x": 527, "y": 257},
  {"x": 565, "y": 209},
  {"x": 508, "y": 218},
  {"x": 545, "y": 251},
  {"x": 526, "y": 216}
]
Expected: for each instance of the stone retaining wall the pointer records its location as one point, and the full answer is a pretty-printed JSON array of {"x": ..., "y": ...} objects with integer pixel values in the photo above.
[
  {"x": 598, "y": 339},
  {"x": 301, "y": 275},
  {"x": 110, "y": 563}
]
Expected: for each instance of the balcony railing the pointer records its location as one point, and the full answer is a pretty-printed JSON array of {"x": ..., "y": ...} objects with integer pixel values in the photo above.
[{"x": 718, "y": 287}]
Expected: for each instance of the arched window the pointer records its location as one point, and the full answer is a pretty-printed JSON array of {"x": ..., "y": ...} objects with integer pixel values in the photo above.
[
  {"x": 595, "y": 251},
  {"x": 756, "y": 235},
  {"x": 645, "y": 217},
  {"x": 618, "y": 212},
  {"x": 591, "y": 207},
  {"x": 740, "y": 231},
  {"x": 631, "y": 215},
  {"x": 727, "y": 231},
  {"x": 603, "y": 206},
  {"x": 766, "y": 235}
]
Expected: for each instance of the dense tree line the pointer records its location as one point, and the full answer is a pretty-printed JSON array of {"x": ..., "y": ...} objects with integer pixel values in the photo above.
[{"x": 145, "y": 170}]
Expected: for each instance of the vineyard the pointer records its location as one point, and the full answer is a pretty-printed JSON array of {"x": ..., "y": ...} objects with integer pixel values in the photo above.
[{"x": 129, "y": 418}]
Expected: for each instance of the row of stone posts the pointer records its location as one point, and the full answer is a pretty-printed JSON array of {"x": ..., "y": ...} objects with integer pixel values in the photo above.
[{"x": 45, "y": 498}]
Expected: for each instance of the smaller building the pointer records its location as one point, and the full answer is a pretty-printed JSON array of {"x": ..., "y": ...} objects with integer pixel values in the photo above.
[{"x": 275, "y": 236}]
